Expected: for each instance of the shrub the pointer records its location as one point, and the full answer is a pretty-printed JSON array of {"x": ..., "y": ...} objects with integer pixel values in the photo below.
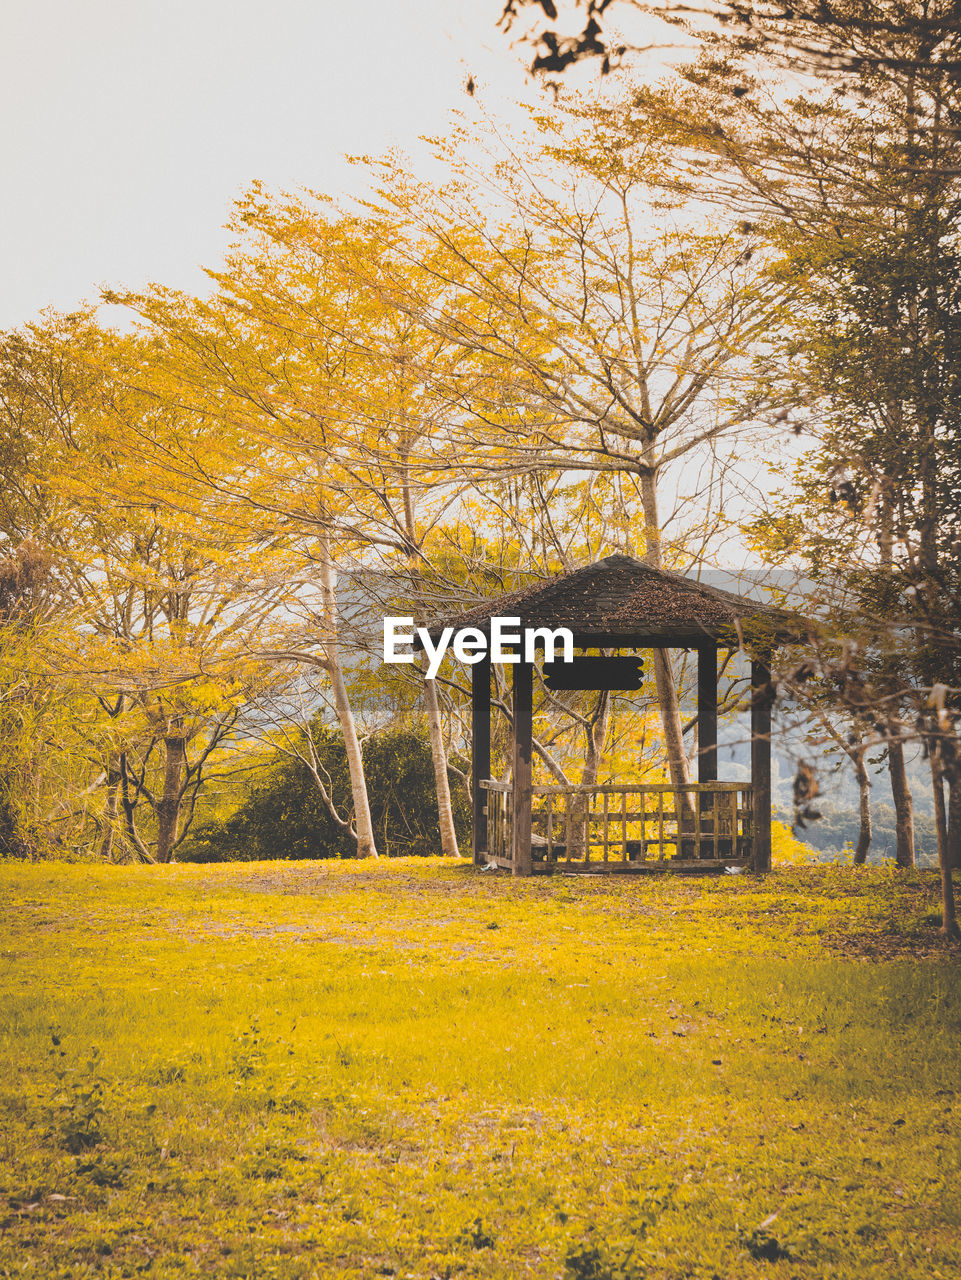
[{"x": 284, "y": 815}]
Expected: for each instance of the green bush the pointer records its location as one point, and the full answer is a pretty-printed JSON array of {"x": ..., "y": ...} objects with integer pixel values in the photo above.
[{"x": 284, "y": 816}]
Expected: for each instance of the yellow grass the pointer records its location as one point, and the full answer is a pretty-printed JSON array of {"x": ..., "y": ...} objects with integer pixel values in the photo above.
[{"x": 410, "y": 1069}]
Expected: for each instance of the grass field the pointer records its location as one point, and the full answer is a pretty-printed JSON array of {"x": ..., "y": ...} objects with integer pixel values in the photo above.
[{"x": 408, "y": 1069}]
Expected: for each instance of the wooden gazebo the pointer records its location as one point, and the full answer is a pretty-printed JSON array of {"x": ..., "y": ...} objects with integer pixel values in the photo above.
[{"x": 621, "y": 604}]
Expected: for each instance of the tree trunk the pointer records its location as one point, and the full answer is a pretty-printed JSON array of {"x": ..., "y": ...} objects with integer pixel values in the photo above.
[
  {"x": 903, "y": 804},
  {"x": 129, "y": 805},
  {"x": 438, "y": 751},
  {"x": 363, "y": 823},
  {"x": 168, "y": 806},
  {"x": 671, "y": 718},
  {"x": 949, "y": 920},
  {"x": 435, "y": 728},
  {"x": 864, "y": 792},
  {"x": 954, "y": 820},
  {"x": 111, "y": 809},
  {"x": 900, "y": 790},
  {"x": 665, "y": 683},
  {"x": 595, "y": 734}
]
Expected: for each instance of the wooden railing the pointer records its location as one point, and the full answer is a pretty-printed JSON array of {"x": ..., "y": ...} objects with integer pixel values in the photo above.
[{"x": 618, "y": 827}]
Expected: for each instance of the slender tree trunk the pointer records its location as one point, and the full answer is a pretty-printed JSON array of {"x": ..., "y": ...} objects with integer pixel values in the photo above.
[
  {"x": 949, "y": 920},
  {"x": 363, "y": 823},
  {"x": 435, "y": 728},
  {"x": 903, "y": 804},
  {"x": 111, "y": 809},
  {"x": 663, "y": 672},
  {"x": 595, "y": 735},
  {"x": 168, "y": 806},
  {"x": 954, "y": 820},
  {"x": 438, "y": 751},
  {"x": 129, "y": 805},
  {"x": 900, "y": 790},
  {"x": 864, "y": 793},
  {"x": 666, "y": 685}
]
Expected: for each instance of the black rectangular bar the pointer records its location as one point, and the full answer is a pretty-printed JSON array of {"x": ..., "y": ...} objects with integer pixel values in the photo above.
[
  {"x": 587, "y": 672},
  {"x": 707, "y": 712}
]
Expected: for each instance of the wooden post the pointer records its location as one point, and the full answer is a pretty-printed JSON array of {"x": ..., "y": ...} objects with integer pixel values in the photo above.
[
  {"x": 761, "y": 699},
  {"x": 523, "y": 691},
  {"x": 480, "y": 698},
  {"x": 707, "y": 712}
]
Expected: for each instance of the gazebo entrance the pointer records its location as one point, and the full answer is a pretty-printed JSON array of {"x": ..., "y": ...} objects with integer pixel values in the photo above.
[{"x": 621, "y": 604}]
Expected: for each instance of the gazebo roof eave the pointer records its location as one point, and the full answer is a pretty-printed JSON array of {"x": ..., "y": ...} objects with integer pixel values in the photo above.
[
  {"x": 592, "y": 603},
  {"x": 725, "y": 638}
]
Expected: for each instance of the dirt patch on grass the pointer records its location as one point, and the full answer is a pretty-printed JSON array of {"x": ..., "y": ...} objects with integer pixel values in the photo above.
[{"x": 923, "y": 943}]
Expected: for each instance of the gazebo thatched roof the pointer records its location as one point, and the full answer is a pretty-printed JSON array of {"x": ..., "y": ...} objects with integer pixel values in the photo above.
[{"x": 618, "y": 601}]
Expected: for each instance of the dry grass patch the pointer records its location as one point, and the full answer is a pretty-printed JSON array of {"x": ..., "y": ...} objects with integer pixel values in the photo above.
[{"x": 352, "y": 1070}]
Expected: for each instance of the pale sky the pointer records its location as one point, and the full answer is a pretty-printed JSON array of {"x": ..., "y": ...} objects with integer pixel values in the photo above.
[{"x": 131, "y": 125}]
